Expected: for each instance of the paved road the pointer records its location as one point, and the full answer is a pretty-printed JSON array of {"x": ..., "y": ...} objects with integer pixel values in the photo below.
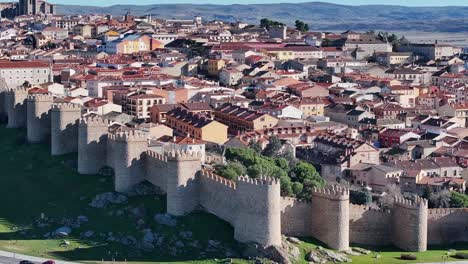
[
  {"x": 12, "y": 258},
  {"x": 6, "y": 260}
]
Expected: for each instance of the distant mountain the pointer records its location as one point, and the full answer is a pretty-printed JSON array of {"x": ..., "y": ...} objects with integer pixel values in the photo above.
[{"x": 319, "y": 15}]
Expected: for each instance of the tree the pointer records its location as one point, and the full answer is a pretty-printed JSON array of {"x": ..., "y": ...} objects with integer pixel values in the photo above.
[
  {"x": 362, "y": 196},
  {"x": 232, "y": 170},
  {"x": 307, "y": 174},
  {"x": 391, "y": 191},
  {"x": 326, "y": 42},
  {"x": 440, "y": 199},
  {"x": 274, "y": 145},
  {"x": 297, "y": 187},
  {"x": 267, "y": 23},
  {"x": 301, "y": 26},
  {"x": 255, "y": 145},
  {"x": 459, "y": 200}
]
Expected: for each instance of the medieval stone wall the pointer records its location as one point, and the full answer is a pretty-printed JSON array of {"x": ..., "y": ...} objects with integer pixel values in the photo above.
[
  {"x": 15, "y": 100},
  {"x": 156, "y": 168},
  {"x": 296, "y": 217},
  {"x": 92, "y": 144},
  {"x": 129, "y": 156},
  {"x": 446, "y": 226},
  {"x": 258, "y": 214},
  {"x": 216, "y": 195},
  {"x": 182, "y": 183},
  {"x": 64, "y": 128},
  {"x": 254, "y": 207},
  {"x": 369, "y": 226},
  {"x": 38, "y": 117},
  {"x": 330, "y": 222},
  {"x": 409, "y": 224}
]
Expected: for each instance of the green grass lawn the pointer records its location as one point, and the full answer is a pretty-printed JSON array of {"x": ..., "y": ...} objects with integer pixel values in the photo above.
[{"x": 33, "y": 183}]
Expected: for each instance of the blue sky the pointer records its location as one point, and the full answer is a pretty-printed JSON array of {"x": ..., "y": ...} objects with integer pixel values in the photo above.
[{"x": 346, "y": 2}]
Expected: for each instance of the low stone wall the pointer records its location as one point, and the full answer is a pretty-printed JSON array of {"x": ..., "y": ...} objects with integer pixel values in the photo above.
[
  {"x": 296, "y": 217},
  {"x": 369, "y": 226},
  {"x": 446, "y": 226}
]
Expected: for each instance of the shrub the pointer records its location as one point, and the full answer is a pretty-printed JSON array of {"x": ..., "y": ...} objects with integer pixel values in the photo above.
[
  {"x": 408, "y": 257},
  {"x": 461, "y": 255}
]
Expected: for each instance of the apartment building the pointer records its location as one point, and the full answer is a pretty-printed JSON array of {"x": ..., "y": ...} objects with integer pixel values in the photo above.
[
  {"x": 240, "y": 119},
  {"x": 16, "y": 73}
]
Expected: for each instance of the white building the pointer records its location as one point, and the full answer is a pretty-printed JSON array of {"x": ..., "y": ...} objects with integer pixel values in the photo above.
[{"x": 17, "y": 73}]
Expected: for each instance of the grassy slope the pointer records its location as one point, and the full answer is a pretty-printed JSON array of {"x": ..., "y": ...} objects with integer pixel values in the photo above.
[{"x": 32, "y": 182}]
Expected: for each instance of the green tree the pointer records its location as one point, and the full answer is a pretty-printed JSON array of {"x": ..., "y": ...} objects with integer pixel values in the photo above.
[
  {"x": 440, "y": 199},
  {"x": 301, "y": 26},
  {"x": 282, "y": 163},
  {"x": 274, "y": 145},
  {"x": 255, "y": 145},
  {"x": 326, "y": 42},
  {"x": 306, "y": 171},
  {"x": 362, "y": 196},
  {"x": 267, "y": 23},
  {"x": 232, "y": 170},
  {"x": 297, "y": 188},
  {"x": 458, "y": 200}
]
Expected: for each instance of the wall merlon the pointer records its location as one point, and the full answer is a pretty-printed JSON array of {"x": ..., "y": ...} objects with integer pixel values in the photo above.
[
  {"x": 364, "y": 208},
  {"x": 40, "y": 97},
  {"x": 184, "y": 155},
  {"x": 417, "y": 204},
  {"x": 133, "y": 135},
  {"x": 263, "y": 180},
  {"x": 156, "y": 155},
  {"x": 94, "y": 121},
  {"x": 333, "y": 192},
  {"x": 66, "y": 107},
  {"x": 216, "y": 178}
]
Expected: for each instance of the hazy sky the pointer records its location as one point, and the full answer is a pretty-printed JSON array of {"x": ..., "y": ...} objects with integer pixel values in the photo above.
[{"x": 346, "y": 2}]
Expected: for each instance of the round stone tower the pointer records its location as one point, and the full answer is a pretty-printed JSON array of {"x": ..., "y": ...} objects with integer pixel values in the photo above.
[
  {"x": 38, "y": 117},
  {"x": 64, "y": 128},
  {"x": 409, "y": 224},
  {"x": 330, "y": 216},
  {"x": 92, "y": 144},
  {"x": 16, "y": 104},
  {"x": 129, "y": 149},
  {"x": 182, "y": 182},
  {"x": 258, "y": 214}
]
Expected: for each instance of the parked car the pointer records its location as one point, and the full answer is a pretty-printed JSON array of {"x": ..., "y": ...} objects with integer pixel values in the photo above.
[
  {"x": 49, "y": 262},
  {"x": 26, "y": 262}
]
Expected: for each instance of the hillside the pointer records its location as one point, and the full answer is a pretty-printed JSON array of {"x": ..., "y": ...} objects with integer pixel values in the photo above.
[{"x": 319, "y": 15}]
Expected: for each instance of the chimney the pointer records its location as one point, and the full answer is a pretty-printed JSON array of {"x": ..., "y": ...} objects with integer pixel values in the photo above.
[{"x": 174, "y": 139}]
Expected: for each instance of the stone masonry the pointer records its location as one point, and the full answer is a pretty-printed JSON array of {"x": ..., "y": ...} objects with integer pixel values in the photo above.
[
  {"x": 38, "y": 117},
  {"x": 15, "y": 100},
  {"x": 254, "y": 207},
  {"x": 64, "y": 128},
  {"x": 92, "y": 144}
]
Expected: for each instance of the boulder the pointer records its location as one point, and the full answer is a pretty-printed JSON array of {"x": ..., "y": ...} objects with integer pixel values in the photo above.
[
  {"x": 63, "y": 231},
  {"x": 293, "y": 240},
  {"x": 165, "y": 219}
]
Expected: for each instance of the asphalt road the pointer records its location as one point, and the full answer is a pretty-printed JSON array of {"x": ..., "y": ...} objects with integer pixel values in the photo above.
[{"x": 5, "y": 260}]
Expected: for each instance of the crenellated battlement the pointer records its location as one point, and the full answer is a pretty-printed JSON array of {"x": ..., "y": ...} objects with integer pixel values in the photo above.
[
  {"x": 333, "y": 193},
  {"x": 183, "y": 155},
  {"x": 40, "y": 97},
  {"x": 216, "y": 178},
  {"x": 66, "y": 107},
  {"x": 94, "y": 121},
  {"x": 418, "y": 203},
  {"x": 446, "y": 211},
  {"x": 365, "y": 208},
  {"x": 20, "y": 89},
  {"x": 156, "y": 155},
  {"x": 263, "y": 180},
  {"x": 132, "y": 135}
]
